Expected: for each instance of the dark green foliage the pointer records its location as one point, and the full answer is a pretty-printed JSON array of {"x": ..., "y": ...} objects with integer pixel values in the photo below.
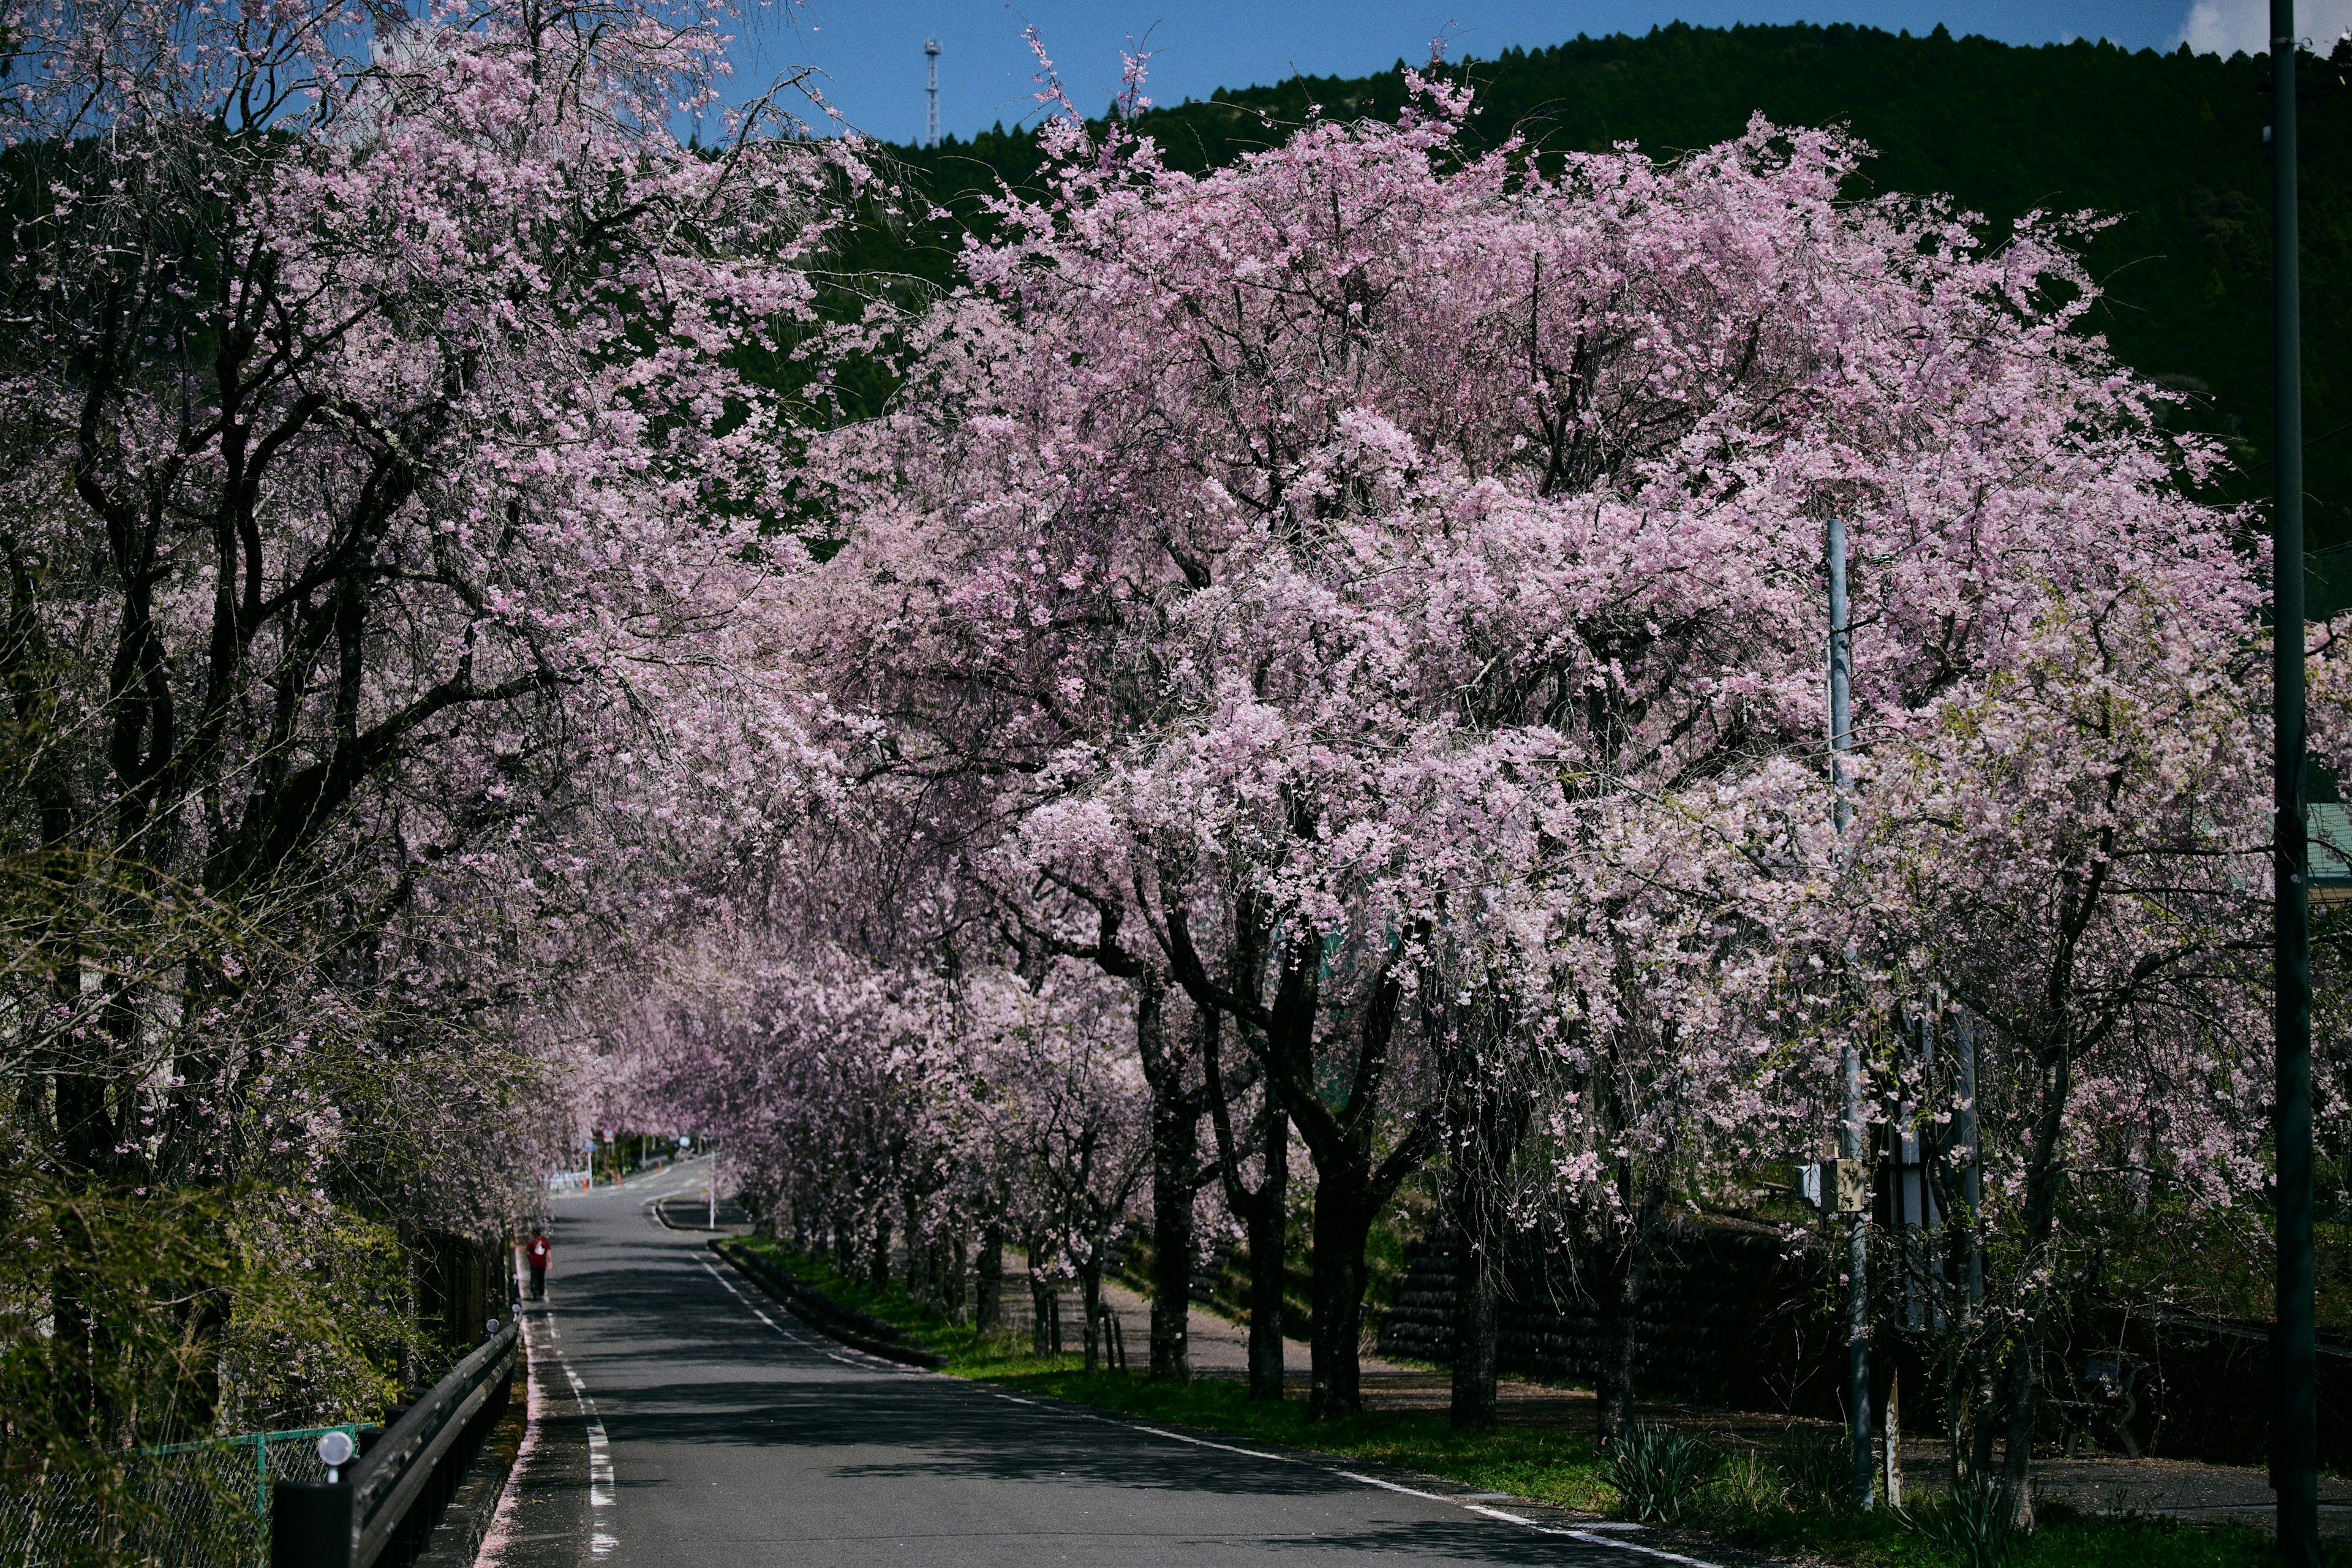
[
  {"x": 1973, "y": 1524},
  {"x": 1818, "y": 1464},
  {"x": 1658, "y": 1473},
  {"x": 2171, "y": 145}
]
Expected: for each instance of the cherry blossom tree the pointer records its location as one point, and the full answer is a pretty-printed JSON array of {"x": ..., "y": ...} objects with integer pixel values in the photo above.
[
  {"x": 1366, "y": 603},
  {"x": 382, "y": 495},
  {"x": 2061, "y": 828},
  {"x": 1379, "y": 575},
  {"x": 1075, "y": 1107}
]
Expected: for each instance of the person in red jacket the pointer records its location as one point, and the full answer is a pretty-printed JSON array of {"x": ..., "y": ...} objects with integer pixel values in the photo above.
[{"x": 536, "y": 1255}]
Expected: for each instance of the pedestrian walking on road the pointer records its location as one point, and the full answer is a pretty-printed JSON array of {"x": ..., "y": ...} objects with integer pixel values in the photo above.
[{"x": 536, "y": 1256}]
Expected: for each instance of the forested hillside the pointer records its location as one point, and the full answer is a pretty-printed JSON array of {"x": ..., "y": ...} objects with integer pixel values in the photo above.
[{"x": 2171, "y": 145}]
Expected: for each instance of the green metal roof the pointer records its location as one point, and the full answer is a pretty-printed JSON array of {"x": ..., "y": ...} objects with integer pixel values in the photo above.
[{"x": 2331, "y": 846}]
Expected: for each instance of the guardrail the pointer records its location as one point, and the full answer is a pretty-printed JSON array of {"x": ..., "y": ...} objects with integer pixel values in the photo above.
[
  {"x": 380, "y": 1513},
  {"x": 569, "y": 1181}
]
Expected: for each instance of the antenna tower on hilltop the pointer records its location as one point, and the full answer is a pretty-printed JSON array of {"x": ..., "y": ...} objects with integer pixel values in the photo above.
[{"x": 931, "y": 92}]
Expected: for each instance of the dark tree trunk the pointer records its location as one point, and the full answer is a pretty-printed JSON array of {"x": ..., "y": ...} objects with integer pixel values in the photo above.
[
  {"x": 1268, "y": 1216},
  {"x": 1264, "y": 1213},
  {"x": 1485, "y": 1122},
  {"x": 1175, "y": 1179},
  {"x": 2044, "y": 1177},
  {"x": 1045, "y": 1330},
  {"x": 1477, "y": 1318},
  {"x": 1350, "y": 1188},
  {"x": 85, "y": 1128},
  {"x": 1343, "y": 1216},
  {"x": 954, "y": 1274},
  {"x": 1623, "y": 1293},
  {"x": 988, "y": 1289},
  {"x": 1175, "y": 1165},
  {"x": 2016, "y": 1461},
  {"x": 877, "y": 1265},
  {"x": 1090, "y": 1304},
  {"x": 82, "y": 1341}
]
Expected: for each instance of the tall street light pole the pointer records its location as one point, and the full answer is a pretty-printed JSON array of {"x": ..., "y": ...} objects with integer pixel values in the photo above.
[{"x": 2294, "y": 1424}]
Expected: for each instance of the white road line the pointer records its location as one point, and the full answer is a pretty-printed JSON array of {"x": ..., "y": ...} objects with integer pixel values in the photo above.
[
  {"x": 1196, "y": 1442},
  {"x": 1408, "y": 1491},
  {"x": 869, "y": 1364},
  {"x": 1589, "y": 1537},
  {"x": 1596, "y": 1539},
  {"x": 602, "y": 1487}
]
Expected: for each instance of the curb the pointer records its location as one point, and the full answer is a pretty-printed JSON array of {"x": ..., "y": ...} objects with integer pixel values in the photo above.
[{"x": 457, "y": 1541}]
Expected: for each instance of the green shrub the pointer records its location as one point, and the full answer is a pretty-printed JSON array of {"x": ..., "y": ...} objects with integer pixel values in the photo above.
[
  {"x": 1749, "y": 1483},
  {"x": 1818, "y": 1464},
  {"x": 1658, "y": 1473},
  {"x": 1972, "y": 1524}
]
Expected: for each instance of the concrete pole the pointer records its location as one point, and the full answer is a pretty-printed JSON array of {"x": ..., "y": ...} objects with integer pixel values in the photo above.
[
  {"x": 1972, "y": 1176},
  {"x": 2294, "y": 1430},
  {"x": 1857, "y": 1251}
]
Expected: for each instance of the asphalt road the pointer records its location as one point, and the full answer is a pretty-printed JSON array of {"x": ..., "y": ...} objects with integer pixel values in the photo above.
[{"x": 684, "y": 1419}]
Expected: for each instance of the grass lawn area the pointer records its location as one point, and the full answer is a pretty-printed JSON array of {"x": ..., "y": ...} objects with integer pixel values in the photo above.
[{"x": 1545, "y": 1464}]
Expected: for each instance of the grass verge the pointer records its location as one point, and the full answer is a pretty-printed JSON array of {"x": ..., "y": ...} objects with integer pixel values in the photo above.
[{"x": 1768, "y": 1504}]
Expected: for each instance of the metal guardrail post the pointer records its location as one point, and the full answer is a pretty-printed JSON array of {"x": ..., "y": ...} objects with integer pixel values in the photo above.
[{"x": 310, "y": 1525}]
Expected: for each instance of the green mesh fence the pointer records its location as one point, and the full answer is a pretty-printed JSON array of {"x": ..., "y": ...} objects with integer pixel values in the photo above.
[{"x": 189, "y": 1505}]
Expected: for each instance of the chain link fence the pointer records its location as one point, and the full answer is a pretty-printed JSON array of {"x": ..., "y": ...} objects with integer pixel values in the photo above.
[{"x": 187, "y": 1505}]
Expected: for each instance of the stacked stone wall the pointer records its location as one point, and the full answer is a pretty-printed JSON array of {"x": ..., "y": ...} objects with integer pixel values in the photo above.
[
  {"x": 1738, "y": 1317},
  {"x": 1734, "y": 1315}
]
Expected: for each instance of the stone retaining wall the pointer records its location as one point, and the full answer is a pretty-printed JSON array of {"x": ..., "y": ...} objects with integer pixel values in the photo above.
[
  {"x": 1737, "y": 1318},
  {"x": 1732, "y": 1318}
]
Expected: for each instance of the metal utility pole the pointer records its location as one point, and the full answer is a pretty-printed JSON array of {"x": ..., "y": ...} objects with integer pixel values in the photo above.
[
  {"x": 931, "y": 92},
  {"x": 2294, "y": 1424},
  {"x": 1857, "y": 1253}
]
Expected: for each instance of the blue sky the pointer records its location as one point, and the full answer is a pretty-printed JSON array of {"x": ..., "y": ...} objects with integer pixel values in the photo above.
[{"x": 871, "y": 50}]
